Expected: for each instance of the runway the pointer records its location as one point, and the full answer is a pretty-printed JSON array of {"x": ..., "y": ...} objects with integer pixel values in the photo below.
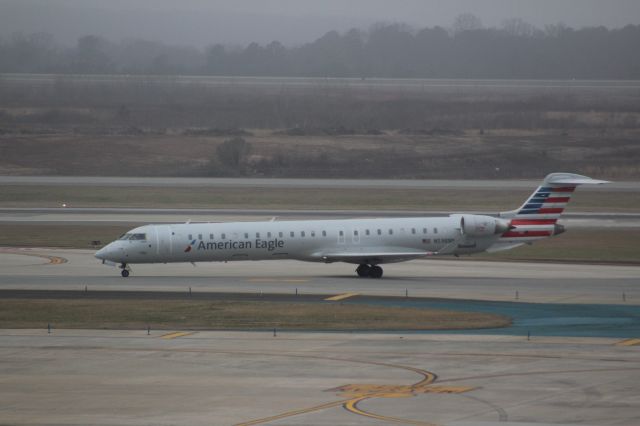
[
  {"x": 409, "y": 85},
  {"x": 484, "y": 184},
  {"x": 115, "y": 377},
  {"x": 456, "y": 279}
]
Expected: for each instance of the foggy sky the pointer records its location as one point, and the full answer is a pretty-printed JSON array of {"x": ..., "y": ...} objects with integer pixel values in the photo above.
[{"x": 292, "y": 22}]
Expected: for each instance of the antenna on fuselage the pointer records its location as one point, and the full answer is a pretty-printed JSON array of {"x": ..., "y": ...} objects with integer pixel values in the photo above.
[{"x": 273, "y": 219}]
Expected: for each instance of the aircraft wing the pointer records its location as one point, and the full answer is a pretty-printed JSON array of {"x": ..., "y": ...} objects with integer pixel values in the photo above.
[{"x": 372, "y": 256}]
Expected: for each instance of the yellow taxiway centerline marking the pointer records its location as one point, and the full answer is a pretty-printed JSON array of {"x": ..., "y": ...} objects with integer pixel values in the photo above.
[
  {"x": 351, "y": 403},
  {"x": 293, "y": 413},
  {"x": 176, "y": 335},
  {"x": 53, "y": 260},
  {"x": 629, "y": 342},
  {"x": 352, "y": 406},
  {"x": 341, "y": 297}
]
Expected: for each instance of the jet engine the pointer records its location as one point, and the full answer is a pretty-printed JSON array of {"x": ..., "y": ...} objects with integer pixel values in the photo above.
[{"x": 483, "y": 226}]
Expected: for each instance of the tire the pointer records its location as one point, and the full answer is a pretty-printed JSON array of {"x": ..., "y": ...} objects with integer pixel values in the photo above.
[
  {"x": 124, "y": 273},
  {"x": 375, "y": 272},
  {"x": 363, "y": 270}
]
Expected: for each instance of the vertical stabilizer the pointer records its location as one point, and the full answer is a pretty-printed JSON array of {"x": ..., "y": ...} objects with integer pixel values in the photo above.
[{"x": 537, "y": 217}]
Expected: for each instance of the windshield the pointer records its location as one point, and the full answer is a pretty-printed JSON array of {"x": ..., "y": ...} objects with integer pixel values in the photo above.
[{"x": 129, "y": 236}]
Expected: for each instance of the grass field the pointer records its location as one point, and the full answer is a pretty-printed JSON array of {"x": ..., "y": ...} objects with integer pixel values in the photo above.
[
  {"x": 181, "y": 314},
  {"x": 579, "y": 245},
  {"x": 65, "y": 236},
  {"x": 300, "y": 199}
]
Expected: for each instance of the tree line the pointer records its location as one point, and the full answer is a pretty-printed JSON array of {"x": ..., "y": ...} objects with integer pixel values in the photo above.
[{"x": 467, "y": 50}]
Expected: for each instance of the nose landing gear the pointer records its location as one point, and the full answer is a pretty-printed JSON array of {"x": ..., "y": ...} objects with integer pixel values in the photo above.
[
  {"x": 125, "y": 270},
  {"x": 371, "y": 271}
]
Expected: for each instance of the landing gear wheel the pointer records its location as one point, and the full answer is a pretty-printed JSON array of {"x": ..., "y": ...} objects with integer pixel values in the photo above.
[
  {"x": 375, "y": 272},
  {"x": 363, "y": 270},
  {"x": 124, "y": 273}
]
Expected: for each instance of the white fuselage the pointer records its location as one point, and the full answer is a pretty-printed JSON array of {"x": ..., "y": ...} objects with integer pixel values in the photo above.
[
  {"x": 308, "y": 240},
  {"x": 366, "y": 242}
]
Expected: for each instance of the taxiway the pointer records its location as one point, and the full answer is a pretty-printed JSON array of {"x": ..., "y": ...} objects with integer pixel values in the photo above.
[{"x": 113, "y": 377}]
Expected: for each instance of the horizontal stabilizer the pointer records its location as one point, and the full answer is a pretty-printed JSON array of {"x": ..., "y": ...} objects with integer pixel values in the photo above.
[{"x": 572, "y": 179}]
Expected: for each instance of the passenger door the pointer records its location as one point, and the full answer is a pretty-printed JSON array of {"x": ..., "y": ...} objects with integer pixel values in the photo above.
[{"x": 165, "y": 240}]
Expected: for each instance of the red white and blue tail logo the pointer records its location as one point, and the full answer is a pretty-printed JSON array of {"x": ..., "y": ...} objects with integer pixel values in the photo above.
[{"x": 537, "y": 217}]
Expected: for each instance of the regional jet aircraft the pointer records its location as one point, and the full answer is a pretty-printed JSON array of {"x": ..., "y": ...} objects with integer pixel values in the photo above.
[{"x": 367, "y": 243}]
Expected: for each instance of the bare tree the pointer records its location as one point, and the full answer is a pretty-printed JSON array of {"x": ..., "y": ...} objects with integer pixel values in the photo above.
[
  {"x": 466, "y": 22},
  {"x": 231, "y": 152},
  {"x": 519, "y": 28}
]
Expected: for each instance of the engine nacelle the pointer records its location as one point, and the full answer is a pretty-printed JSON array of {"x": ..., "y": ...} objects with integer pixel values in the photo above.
[{"x": 474, "y": 225}]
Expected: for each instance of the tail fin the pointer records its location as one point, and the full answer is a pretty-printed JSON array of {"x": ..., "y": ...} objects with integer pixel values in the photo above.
[{"x": 537, "y": 217}]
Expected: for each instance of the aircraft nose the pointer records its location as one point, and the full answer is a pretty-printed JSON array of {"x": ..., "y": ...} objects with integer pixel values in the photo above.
[
  {"x": 101, "y": 254},
  {"x": 104, "y": 252}
]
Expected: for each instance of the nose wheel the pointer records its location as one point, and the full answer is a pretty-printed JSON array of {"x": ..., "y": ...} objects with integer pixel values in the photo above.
[
  {"x": 371, "y": 271},
  {"x": 125, "y": 270}
]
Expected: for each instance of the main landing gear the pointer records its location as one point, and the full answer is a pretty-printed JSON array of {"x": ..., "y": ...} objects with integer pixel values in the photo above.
[
  {"x": 371, "y": 271},
  {"x": 125, "y": 270}
]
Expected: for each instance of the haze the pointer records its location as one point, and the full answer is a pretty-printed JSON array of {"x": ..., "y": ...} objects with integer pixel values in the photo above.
[{"x": 292, "y": 22}]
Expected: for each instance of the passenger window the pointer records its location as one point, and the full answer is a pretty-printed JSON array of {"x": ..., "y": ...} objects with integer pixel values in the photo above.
[
  {"x": 390, "y": 231},
  {"x": 424, "y": 230},
  {"x": 211, "y": 236},
  {"x": 190, "y": 237},
  {"x": 268, "y": 234},
  {"x": 341, "y": 233},
  {"x": 280, "y": 234},
  {"x": 366, "y": 232},
  {"x": 435, "y": 230},
  {"x": 379, "y": 232},
  {"x": 246, "y": 235},
  {"x": 313, "y": 233},
  {"x": 257, "y": 235},
  {"x": 200, "y": 236},
  {"x": 293, "y": 234},
  {"x": 413, "y": 230},
  {"x": 355, "y": 233},
  {"x": 224, "y": 236},
  {"x": 324, "y": 233},
  {"x": 302, "y": 234}
]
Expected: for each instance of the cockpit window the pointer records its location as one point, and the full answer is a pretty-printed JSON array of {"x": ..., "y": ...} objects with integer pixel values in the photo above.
[{"x": 129, "y": 236}]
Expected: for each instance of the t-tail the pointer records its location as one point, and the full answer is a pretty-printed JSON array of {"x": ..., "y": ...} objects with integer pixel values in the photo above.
[{"x": 537, "y": 218}]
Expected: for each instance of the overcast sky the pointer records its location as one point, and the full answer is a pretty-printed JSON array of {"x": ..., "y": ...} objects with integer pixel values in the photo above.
[{"x": 203, "y": 22}]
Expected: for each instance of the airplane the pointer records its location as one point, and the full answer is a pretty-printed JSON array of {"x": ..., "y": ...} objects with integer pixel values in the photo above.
[{"x": 367, "y": 243}]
